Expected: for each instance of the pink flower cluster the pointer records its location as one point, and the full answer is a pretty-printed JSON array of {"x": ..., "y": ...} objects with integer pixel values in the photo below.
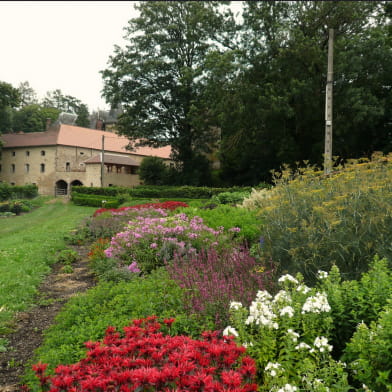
[
  {"x": 181, "y": 232},
  {"x": 147, "y": 360},
  {"x": 167, "y": 205}
]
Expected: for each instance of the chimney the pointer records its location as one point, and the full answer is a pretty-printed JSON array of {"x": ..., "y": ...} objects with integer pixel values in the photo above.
[
  {"x": 48, "y": 123},
  {"x": 99, "y": 125}
]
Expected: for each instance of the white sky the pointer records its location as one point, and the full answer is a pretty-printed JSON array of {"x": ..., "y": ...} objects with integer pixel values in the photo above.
[{"x": 61, "y": 45}]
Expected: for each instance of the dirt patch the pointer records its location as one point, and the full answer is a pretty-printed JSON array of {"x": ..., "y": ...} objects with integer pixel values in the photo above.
[{"x": 55, "y": 291}]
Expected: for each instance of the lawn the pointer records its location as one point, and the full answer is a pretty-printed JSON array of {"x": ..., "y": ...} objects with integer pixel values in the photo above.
[{"x": 28, "y": 247}]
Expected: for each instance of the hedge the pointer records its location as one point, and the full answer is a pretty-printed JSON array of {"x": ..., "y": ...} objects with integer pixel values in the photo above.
[
  {"x": 96, "y": 200},
  {"x": 10, "y": 192},
  {"x": 160, "y": 191}
]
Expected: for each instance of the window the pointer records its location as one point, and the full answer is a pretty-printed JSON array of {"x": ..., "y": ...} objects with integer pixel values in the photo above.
[
  {"x": 0, "y": 168},
  {"x": 42, "y": 167},
  {"x": 27, "y": 167},
  {"x": 67, "y": 167},
  {"x": 134, "y": 169},
  {"x": 43, "y": 153},
  {"x": 13, "y": 153},
  {"x": 27, "y": 153},
  {"x": 12, "y": 183},
  {"x": 13, "y": 168}
]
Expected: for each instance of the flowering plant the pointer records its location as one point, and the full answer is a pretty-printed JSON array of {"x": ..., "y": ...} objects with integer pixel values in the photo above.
[
  {"x": 149, "y": 241},
  {"x": 212, "y": 280},
  {"x": 147, "y": 360},
  {"x": 288, "y": 336},
  {"x": 167, "y": 205}
]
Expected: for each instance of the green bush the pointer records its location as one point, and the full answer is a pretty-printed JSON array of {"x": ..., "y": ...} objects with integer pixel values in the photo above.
[
  {"x": 9, "y": 192},
  {"x": 230, "y": 197},
  {"x": 369, "y": 353},
  {"x": 87, "y": 316},
  {"x": 228, "y": 217},
  {"x": 153, "y": 171},
  {"x": 159, "y": 191},
  {"x": 96, "y": 200},
  {"x": 15, "y": 206},
  {"x": 356, "y": 301}
]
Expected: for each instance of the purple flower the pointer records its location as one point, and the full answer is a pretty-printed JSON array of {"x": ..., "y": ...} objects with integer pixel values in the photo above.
[{"x": 133, "y": 267}]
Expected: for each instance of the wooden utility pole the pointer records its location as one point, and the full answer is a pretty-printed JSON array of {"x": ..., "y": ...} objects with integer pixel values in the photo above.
[
  {"x": 328, "y": 107},
  {"x": 102, "y": 160}
]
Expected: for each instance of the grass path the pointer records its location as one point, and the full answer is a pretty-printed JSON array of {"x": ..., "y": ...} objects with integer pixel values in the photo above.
[{"x": 28, "y": 246}]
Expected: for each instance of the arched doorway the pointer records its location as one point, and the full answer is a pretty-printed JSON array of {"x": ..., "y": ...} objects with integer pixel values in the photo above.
[
  {"x": 76, "y": 183},
  {"x": 61, "y": 188}
]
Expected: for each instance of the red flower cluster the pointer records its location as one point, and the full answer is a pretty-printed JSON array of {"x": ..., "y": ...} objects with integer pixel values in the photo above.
[
  {"x": 167, "y": 205},
  {"x": 147, "y": 360}
]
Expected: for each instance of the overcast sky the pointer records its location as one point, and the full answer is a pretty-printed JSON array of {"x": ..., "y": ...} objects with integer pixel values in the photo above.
[{"x": 61, "y": 44}]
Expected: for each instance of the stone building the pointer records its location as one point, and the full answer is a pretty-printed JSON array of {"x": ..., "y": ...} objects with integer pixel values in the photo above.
[{"x": 67, "y": 155}]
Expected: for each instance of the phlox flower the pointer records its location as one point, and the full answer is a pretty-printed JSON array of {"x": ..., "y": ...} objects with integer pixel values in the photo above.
[
  {"x": 322, "y": 274},
  {"x": 287, "y": 278},
  {"x": 229, "y": 330},
  {"x": 235, "y": 305},
  {"x": 288, "y": 388},
  {"x": 316, "y": 304},
  {"x": 272, "y": 368},
  {"x": 294, "y": 335},
  {"x": 303, "y": 346},
  {"x": 303, "y": 289},
  {"x": 322, "y": 344},
  {"x": 287, "y": 310}
]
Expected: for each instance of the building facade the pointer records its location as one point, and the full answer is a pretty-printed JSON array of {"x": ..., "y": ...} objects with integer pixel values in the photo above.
[{"x": 67, "y": 155}]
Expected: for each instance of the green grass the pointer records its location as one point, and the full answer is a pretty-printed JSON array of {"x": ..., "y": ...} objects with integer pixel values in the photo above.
[{"x": 29, "y": 244}]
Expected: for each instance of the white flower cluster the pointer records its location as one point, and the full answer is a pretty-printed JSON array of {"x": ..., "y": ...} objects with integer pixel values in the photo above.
[
  {"x": 260, "y": 313},
  {"x": 316, "y": 304},
  {"x": 282, "y": 296},
  {"x": 288, "y": 388},
  {"x": 229, "y": 330},
  {"x": 302, "y": 288},
  {"x": 322, "y": 344},
  {"x": 287, "y": 310},
  {"x": 272, "y": 368},
  {"x": 235, "y": 305},
  {"x": 294, "y": 335},
  {"x": 287, "y": 278},
  {"x": 303, "y": 346},
  {"x": 322, "y": 274}
]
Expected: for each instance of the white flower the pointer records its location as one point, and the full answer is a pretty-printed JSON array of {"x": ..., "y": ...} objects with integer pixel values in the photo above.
[
  {"x": 246, "y": 344},
  {"x": 263, "y": 296},
  {"x": 229, "y": 331},
  {"x": 303, "y": 346},
  {"x": 287, "y": 310},
  {"x": 272, "y": 368},
  {"x": 235, "y": 305},
  {"x": 260, "y": 313},
  {"x": 317, "y": 304},
  {"x": 282, "y": 296},
  {"x": 294, "y": 335},
  {"x": 322, "y": 344},
  {"x": 288, "y": 388},
  {"x": 303, "y": 289},
  {"x": 322, "y": 274},
  {"x": 287, "y": 278}
]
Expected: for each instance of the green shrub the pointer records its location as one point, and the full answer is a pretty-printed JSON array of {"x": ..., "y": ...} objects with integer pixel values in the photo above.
[
  {"x": 8, "y": 192},
  {"x": 153, "y": 171},
  {"x": 230, "y": 197},
  {"x": 87, "y": 316},
  {"x": 228, "y": 217},
  {"x": 356, "y": 301},
  {"x": 96, "y": 200},
  {"x": 67, "y": 256},
  {"x": 311, "y": 221},
  {"x": 369, "y": 353}
]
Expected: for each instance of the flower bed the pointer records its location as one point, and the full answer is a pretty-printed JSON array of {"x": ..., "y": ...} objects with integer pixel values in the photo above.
[
  {"x": 167, "y": 205},
  {"x": 147, "y": 360}
]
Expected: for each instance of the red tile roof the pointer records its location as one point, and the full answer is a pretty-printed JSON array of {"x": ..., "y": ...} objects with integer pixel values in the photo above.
[{"x": 70, "y": 135}]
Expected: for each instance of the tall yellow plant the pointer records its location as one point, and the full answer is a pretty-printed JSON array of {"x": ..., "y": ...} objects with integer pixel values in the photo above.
[{"x": 312, "y": 221}]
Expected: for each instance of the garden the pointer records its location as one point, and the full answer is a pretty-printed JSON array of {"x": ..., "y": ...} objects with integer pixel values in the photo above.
[{"x": 280, "y": 289}]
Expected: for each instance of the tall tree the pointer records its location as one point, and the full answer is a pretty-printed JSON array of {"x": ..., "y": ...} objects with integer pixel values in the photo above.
[
  {"x": 277, "y": 101},
  {"x": 67, "y": 103},
  {"x": 32, "y": 118},
  {"x": 159, "y": 79},
  {"x": 9, "y": 98},
  {"x": 28, "y": 96}
]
